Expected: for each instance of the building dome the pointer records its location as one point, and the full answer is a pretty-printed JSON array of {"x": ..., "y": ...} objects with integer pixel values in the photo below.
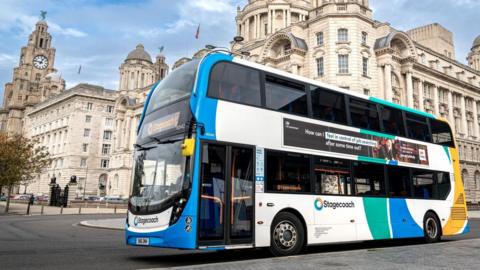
[
  {"x": 139, "y": 54},
  {"x": 476, "y": 42}
]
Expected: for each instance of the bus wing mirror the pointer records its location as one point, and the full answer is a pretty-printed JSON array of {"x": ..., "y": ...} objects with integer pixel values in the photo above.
[{"x": 188, "y": 146}]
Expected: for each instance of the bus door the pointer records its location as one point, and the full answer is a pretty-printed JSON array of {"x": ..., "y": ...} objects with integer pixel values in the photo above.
[{"x": 226, "y": 197}]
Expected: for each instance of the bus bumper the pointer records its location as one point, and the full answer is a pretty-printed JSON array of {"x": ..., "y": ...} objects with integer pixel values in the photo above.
[{"x": 179, "y": 235}]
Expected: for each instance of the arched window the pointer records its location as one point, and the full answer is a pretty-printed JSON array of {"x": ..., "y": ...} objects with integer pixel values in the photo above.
[
  {"x": 115, "y": 181},
  {"x": 398, "y": 95},
  {"x": 464, "y": 176},
  {"x": 477, "y": 180}
]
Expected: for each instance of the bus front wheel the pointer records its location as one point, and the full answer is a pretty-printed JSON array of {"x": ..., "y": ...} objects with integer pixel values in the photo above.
[
  {"x": 287, "y": 235},
  {"x": 432, "y": 228}
]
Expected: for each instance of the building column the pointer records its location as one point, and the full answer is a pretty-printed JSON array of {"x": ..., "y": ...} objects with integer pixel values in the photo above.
[
  {"x": 259, "y": 28},
  {"x": 289, "y": 17},
  {"x": 451, "y": 119},
  {"x": 285, "y": 18},
  {"x": 126, "y": 130},
  {"x": 247, "y": 28},
  {"x": 421, "y": 105},
  {"x": 476, "y": 130},
  {"x": 464, "y": 116},
  {"x": 255, "y": 29},
  {"x": 133, "y": 131},
  {"x": 409, "y": 89},
  {"x": 436, "y": 107},
  {"x": 269, "y": 22},
  {"x": 388, "y": 82}
]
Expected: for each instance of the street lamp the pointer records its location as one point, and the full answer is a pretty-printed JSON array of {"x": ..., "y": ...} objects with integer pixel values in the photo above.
[{"x": 85, "y": 183}]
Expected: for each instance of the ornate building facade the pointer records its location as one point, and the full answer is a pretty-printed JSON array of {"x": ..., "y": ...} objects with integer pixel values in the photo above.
[
  {"x": 77, "y": 128},
  {"x": 137, "y": 75},
  {"x": 340, "y": 43},
  {"x": 34, "y": 80}
]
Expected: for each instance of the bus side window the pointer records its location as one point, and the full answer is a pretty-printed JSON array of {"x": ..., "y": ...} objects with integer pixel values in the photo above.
[
  {"x": 441, "y": 133},
  {"x": 398, "y": 182},
  {"x": 327, "y": 105},
  {"x": 286, "y": 96},
  {"x": 442, "y": 185},
  {"x": 392, "y": 120},
  {"x": 369, "y": 179},
  {"x": 332, "y": 176},
  {"x": 417, "y": 127},
  {"x": 287, "y": 172},
  {"x": 423, "y": 182},
  {"x": 235, "y": 83},
  {"x": 364, "y": 114}
]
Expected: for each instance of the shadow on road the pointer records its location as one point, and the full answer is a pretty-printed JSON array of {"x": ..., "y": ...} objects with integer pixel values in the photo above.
[{"x": 203, "y": 257}]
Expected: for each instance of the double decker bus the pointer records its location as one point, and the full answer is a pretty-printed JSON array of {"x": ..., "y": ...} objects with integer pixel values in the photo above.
[{"x": 233, "y": 154}]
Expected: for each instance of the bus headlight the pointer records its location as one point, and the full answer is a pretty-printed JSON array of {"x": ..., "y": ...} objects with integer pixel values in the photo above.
[{"x": 177, "y": 210}]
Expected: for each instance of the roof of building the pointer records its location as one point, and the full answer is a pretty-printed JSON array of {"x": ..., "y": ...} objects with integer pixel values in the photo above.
[
  {"x": 298, "y": 42},
  {"x": 476, "y": 42},
  {"x": 139, "y": 54}
]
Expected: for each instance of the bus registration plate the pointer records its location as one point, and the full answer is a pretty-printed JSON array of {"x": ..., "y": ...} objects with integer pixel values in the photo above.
[{"x": 142, "y": 241}]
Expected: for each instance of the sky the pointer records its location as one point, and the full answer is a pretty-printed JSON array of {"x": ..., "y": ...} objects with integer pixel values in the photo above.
[{"x": 98, "y": 34}]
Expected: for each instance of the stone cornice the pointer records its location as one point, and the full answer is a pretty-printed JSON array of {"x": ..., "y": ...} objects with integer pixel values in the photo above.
[
  {"x": 443, "y": 57},
  {"x": 445, "y": 77},
  {"x": 80, "y": 91},
  {"x": 340, "y": 15}
]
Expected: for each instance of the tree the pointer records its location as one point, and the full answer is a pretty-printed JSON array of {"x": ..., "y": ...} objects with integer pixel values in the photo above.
[{"x": 21, "y": 159}]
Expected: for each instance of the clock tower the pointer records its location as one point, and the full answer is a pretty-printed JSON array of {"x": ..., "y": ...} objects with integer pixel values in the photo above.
[{"x": 34, "y": 79}]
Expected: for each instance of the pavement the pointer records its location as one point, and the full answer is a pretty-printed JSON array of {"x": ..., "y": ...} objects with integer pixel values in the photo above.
[
  {"x": 58, "y": 242},
  {"x": 21, "y": 209},
  {"x": 110, "y": 223}
]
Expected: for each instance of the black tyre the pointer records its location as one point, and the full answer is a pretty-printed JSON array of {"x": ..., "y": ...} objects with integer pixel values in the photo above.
[
  {"x": 432, "y": 228},
  {"x": 287, "y": 235}
]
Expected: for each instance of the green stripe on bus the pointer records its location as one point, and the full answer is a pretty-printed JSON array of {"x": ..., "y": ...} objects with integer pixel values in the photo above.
[
  {"x": 391, "y": 104},
  {"x": 377, "y": 134},
  {"x": 377, "y": 217},
  {"x": 448, "y": 153},
  {"x": 371, "y": 159}
]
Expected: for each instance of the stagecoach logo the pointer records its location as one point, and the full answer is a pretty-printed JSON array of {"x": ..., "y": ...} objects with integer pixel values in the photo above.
[
  {"x": 319, "y": 204},
  {"x": 143, "y": 221}
]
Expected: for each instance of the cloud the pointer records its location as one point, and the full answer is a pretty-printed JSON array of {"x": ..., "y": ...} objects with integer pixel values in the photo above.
[
  {"x": 7, "y": 59},
  {"x": 71, "y": 32},
  {"x": 212, "y": 5}
]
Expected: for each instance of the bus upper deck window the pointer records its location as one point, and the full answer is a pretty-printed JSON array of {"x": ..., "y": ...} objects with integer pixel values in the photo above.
[{"x": 235, "y": 83}]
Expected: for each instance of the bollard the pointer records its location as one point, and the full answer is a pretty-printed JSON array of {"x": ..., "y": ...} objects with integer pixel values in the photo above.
[
  {"x": 61, "y": 210},
  {"x": 115, "y": 209},
  {"x": 79, "y": 209},
  {"x": 41, "y": 210},
  {"x": 28, "y": 209}
]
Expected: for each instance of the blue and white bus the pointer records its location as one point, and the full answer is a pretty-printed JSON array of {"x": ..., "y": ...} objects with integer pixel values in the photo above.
[{"x": 233, "y": 154}]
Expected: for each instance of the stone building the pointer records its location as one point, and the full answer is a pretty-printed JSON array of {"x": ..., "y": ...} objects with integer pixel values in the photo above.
[
  {"x": 339, "y": 42},
  {"x": 77, "y": 128},
  {"x": 34, "y": 79},
  {"x": 137, "y": 75}
]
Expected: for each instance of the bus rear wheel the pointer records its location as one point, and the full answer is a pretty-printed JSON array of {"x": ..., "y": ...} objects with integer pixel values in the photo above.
[
  {"x": 431, "y": 228},
  {"x": 287, "y": 235}
]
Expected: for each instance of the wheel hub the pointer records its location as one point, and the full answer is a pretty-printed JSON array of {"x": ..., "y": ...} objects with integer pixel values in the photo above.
[
  {"x": 285, "y": 235},
  {"x": 431, "y": 229}
]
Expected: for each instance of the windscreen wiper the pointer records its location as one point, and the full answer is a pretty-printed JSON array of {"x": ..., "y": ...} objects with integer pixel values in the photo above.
[
  {"x": 165, "y": 141},
  {"x": 142, "y": 148}
]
